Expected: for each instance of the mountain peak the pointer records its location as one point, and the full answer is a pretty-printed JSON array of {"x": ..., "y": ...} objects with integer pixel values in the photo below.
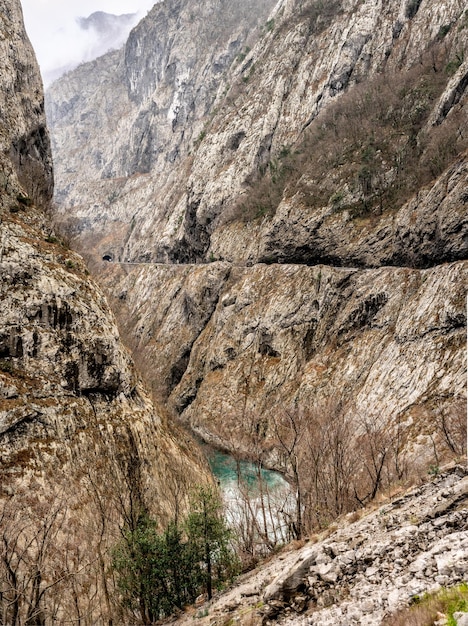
[{"x": 103, "y": 22}]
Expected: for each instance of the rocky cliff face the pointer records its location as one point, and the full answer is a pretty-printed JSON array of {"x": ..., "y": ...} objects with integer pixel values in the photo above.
[
  {"x": 298, "y": 193},
  {"x": 82, "y": 447},
  {"x": 264, "y": 136},
  {"x": 330, "y": 151},
  {"x": 156, "y": 95},
  {"x": 24, "y": 139},
  {"x": 229, "y": 346}
]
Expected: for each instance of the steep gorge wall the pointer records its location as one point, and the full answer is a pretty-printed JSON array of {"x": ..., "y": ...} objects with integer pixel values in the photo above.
[
  {"x": 83, "y": 449},
  {"x": 329, "y": 75},
  {"x": 24, "y": 138},
  {"x": 341, "y": 275},
  {"x": 323, "y": 144},
  {"x": 231, "y": 347},
  {"x": 242, "y": 171}
]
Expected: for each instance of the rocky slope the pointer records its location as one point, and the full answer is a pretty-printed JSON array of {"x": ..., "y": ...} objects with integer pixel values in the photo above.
[
  {"x": 361, "y": 571},
  {"x": 82, "y": 447}
]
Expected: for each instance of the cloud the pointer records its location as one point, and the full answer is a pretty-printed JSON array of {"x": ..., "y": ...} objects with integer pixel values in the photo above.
[{"x": 59, "y": 41}]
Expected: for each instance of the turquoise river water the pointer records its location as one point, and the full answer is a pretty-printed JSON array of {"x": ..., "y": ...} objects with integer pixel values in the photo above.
[{"x": 227, "y": 470}]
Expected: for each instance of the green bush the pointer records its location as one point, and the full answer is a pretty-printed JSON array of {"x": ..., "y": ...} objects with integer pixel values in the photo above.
[
  {"x": 24, "y": 200},
  {"x": 52, "y": 239},
  {"x": 443, "y": 31},
  {"x": 453, "y": 65},
  {"x": 159, "y": 572}
]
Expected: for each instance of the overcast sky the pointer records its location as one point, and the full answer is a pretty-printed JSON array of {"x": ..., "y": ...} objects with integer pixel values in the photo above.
[{"x": 57, "y": 38}]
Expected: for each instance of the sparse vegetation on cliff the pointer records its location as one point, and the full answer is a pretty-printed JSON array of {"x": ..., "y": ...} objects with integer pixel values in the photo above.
[{"x": 369, "y": 151}]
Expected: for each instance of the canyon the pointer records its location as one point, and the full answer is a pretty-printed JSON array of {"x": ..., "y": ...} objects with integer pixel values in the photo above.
[
  {"x": 280, "y": 193},
  {"x": 286, "y": 216}
]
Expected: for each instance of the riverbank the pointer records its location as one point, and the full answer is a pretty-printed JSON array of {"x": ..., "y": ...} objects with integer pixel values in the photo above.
[{"x": 359, "y": 571}]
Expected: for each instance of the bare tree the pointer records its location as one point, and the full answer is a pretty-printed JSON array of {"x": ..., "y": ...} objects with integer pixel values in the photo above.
[
  {"x": 30, "y": 569},
  {"x": 374, "y": 444},
  {"x": 289, "y": 430},
  {"x": 451, "y": 425}
]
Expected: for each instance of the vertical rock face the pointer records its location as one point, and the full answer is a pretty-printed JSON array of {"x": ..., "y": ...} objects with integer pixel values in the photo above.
[
  {"x": 154, "y": 98},
  {"x": 231, "y": 346},
  {"x": 24, "y": 139},
  {"x": 82, "y": 447}
]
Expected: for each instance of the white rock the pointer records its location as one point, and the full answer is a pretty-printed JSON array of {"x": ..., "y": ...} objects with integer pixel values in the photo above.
[{"x": 461, "y": 618}]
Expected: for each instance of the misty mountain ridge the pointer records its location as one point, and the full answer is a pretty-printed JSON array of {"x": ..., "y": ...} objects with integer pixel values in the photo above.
[
  {"x": 107, "y": 24},
  {"x": 92, "y": 37}
]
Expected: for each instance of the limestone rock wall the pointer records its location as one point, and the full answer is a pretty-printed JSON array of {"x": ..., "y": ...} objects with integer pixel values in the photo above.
[
  {"x": 202, "y": 121},
  {"x": 83, "y": 448},
  {"x": 24, "y": 139},
  {"x": 66, "y": 377},
  {"x": 151, "y": 103},
  {"x": 314, "y": 65}
]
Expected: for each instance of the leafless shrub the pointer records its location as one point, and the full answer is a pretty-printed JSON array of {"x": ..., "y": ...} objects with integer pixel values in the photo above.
[
  {"x": 48, "y": 573},
  {"x": 336, "y": 460},
  {"x": 451, "y": 426}
]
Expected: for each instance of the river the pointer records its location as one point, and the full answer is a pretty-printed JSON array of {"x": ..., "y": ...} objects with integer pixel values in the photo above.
[
  {"x": 228, "y": 471},
  {"x": 258, "y": 501}
]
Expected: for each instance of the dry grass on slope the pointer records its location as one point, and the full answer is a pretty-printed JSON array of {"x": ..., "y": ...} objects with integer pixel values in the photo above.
[{"x": 431, "y": 608}]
